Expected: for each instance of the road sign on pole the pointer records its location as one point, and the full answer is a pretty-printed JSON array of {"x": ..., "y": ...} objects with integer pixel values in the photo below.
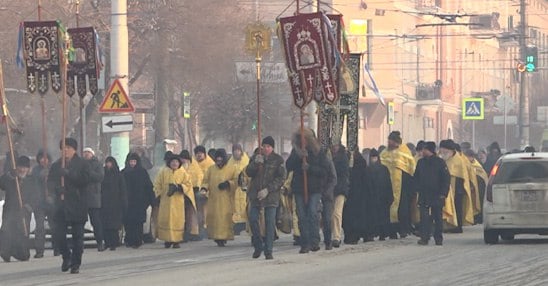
[
  {"x": 186, "y": 105},
  {"x": 390, "y": 117},
  {"x": 120, "y": 123},
  {"x": 116, "y": 100},
  {"x": 473, "y": 109}
]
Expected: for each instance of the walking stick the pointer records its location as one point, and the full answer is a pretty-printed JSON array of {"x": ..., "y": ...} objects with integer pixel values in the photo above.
[{"x": 5, "y": 115}]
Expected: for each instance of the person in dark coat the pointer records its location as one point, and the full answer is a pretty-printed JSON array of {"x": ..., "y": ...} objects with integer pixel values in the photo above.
[
  {"x": 433, "y": 181},
  {"x": 381, "y": 187},
  {"x": 267, "y": 173},
  {"x": 40, "y": 208},
  {"x": 113, "y": 202},
  {"x": 70, "y": 203},
  {"x": 93, "y": 193},
  {"x": 342, "y": 168},
  {"x": 317, "y": 168},
  {"x": 356, "y": 221},
  {"x": 328, "y": 189},
  {"x": 493, "y": 155},
  {"x": 16, "y": 215},
  {"x": 140, "y": 196}
]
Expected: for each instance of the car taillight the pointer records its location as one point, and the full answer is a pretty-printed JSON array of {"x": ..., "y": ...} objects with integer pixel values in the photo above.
[{"x": 489, "y": 188}]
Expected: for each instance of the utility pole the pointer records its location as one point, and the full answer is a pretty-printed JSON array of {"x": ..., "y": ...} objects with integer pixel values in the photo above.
[
  {"x": 523, "y": 91},
  {"x": 119, "y": 68}
]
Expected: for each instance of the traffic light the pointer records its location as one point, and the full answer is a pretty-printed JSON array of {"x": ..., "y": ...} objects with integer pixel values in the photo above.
[{"x": 531, "y": 59}]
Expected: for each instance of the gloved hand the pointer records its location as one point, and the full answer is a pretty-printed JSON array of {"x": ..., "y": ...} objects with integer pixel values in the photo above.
[
  {"x": 224, "y": 185},
  {"x": 64, "y": 171},
  {"x": 241, "y": 179},
  {"x": 172, "y": 190},
  {"x": 285, "y": 191},
  {"x": 259, "y": 159},
  {"x": 262, "y": 194},
  {"x": 203, "y": 192}
]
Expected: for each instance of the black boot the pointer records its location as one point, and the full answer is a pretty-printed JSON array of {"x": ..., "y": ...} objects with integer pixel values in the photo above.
[{"x": 66, "y": 265}]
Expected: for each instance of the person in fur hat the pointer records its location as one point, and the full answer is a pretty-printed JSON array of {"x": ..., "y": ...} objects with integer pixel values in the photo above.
[{"x": 313, "y": 162}]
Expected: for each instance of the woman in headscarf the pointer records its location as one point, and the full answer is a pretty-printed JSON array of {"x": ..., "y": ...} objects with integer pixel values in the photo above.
[{"x": 113, "y": 202}]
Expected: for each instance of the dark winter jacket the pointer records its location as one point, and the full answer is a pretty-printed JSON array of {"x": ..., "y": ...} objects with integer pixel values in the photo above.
[
  {"x": 28, "y": 188},
  {"x": 93, "y": 190},
  {"x": 270, "y": 175},
  {"x": 340, "y": 160},
  {"x": 381, "y": 186},
  {"x": 139, "y": 190},
  {"x": 432, "y": 180},
  {"x": 40, "y": 176},
  {"x": 70, "y": 201},
  {"x": 114, "y": 198},
  {"x": 318, "y": 170},
  {"x": 359, "y": 209}
]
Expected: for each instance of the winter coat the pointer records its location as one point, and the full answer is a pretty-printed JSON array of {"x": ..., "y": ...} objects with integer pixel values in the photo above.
[
  {"x": 270, "y": 175},
  {"x": 140, "y": 192},
  {"x": 73, "y": 208},
  {"x": 318, "y": 170},
  {"x": 340, "y": 160},
  {"x": 93, "y": 190},
  {"x": 432, "y": 180},
  {"x": 40, "y": 175},
  {"x": 113, "y": 198},
  {"x": 359, "y": 209},
  {"x": 381, "y": 187}
]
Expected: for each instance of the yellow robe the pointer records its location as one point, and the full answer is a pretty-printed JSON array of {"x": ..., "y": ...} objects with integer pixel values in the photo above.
[
  {"x": 220, "y": 202},
  {"x": 171, "y": 214},
  {"x": 474, "y": 189},
  {"x": 396, "y": 161},
  {"x": 240, "y": 197},
  {"x": 196, "y": 173},
  {"x": 458, "y": 169}
]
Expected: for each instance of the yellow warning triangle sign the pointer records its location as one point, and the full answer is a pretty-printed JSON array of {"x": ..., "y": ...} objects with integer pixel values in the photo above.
[{"x": 116, "y": 100}]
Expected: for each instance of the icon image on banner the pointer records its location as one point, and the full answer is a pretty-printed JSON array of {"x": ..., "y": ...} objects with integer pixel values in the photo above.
[
  {"x": 116, "y": 100},
  {"x": 473, "y": 109}
]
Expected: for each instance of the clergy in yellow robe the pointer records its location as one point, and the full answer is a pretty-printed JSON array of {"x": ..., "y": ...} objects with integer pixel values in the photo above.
[
  {"x": 239, "y": 160},
  {"x": 460, "y": 189},
  {"x": 196, "y": 177},
  {"x": 171, "y": 185},
  {"x": 401, "y": 165},
  {"x": 482, "y": 178},
  {"x": 220, "y": 183},
  {"x": 204, "y": 162}
]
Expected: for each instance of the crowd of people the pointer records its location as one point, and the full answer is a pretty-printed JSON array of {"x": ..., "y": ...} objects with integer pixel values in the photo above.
[{"x": 343, "y": 195}]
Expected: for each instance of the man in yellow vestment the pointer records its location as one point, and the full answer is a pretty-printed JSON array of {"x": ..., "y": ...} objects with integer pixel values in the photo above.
[
  {"x": 171, "y": 186},
  {"x": 460, "y": 189},
  {"x": 239, "y": 160},
  {"x": 401, "y": 165},
  {"x": 196, "y": 176},
  {"x": 219, "y": 184},
  {"x": 204, "y": 162}
]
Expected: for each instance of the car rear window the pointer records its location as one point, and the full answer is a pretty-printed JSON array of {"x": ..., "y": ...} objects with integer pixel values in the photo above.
[{"x": 522, "y": 172}]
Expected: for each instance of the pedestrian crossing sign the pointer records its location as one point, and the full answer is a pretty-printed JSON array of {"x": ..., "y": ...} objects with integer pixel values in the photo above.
[
  {"x": 473, "y": 109},
  {"x": 116, "y": 100}
]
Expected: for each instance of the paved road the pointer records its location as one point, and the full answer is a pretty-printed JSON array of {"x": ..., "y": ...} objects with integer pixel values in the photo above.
[{"x": 463, "y": 260}]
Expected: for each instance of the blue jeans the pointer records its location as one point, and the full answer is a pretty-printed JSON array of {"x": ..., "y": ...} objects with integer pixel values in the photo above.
[
  {"x": 309, "y": 219},
  {"x": 259, "y": 242},
  {"x": 327, "y": 218}
]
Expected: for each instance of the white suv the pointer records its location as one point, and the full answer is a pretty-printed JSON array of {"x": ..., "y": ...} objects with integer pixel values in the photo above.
[{"x": 516, "y": 199}]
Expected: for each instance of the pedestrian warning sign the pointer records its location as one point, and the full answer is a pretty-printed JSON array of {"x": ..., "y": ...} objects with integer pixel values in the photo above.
[
  {"x": 116, "y": 100},
  {"x": 473, "y": 109}
]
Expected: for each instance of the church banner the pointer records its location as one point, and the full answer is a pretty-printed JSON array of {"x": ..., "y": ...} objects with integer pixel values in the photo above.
[
  {"x": 41, "y": 56},
  {"x": 85, "y": 62},
  {"x": 310, "y": 50}
]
